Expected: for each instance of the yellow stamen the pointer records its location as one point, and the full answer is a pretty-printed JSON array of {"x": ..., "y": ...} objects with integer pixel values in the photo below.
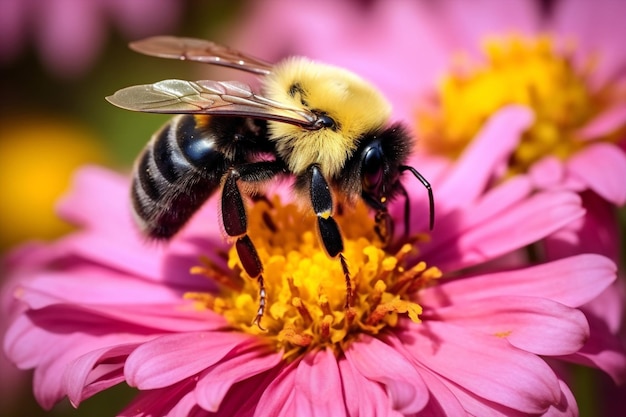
[
  {"x": 523, "y": 71},
  {"x": 306, "y": 290}
]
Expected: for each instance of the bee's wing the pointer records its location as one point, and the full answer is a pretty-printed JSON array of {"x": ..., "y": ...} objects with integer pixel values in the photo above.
[
  {"x": 200, "y": 51},
  {"x": 209, "y": 97}
]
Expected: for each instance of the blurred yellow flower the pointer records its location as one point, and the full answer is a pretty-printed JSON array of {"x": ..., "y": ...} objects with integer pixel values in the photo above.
[{"x": 37, "y": 157}]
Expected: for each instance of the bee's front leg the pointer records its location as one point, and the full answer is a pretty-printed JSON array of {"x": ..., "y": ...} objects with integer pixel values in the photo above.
[{"x": 330, "y": 235}]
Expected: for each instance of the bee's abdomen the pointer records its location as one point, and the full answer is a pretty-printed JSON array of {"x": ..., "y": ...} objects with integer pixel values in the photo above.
[{"x": 175, "y": 174}]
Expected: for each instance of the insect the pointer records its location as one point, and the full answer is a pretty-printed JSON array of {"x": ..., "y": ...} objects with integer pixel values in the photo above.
[{"x": 322, "y": 125}]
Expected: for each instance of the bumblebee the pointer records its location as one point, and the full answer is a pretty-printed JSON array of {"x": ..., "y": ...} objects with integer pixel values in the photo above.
[{"x": 323, "y": 125}]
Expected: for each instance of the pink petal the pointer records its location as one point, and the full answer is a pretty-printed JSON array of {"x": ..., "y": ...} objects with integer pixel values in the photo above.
[
  {"x": 605, "y": 123},
  {"x": 363, "y": 397},
  {"x": 536, "y": 325},
  {"x": 487, "y": 366},
  {"x": 567, "y": 407},
  {"x": 214, "y": 384},
  {"x": 70, "y": 33},
  {"x": 442, "y": 401},
  {"x": 318, "y": 386},
  {"x": 609, "y": 306},
  {"x": 596, "y": 232},
  {"x": 525, "y": 223},
  {"x": 245, "y": 405},
  {"x": 97, "y": 193},
  {"x": 596, "y": 28},
  {"x": 95, "y": 371},
  {"x": 162, "y": 401},
  {"x": 13, "y": 16},
  {"x": 278, "y": 397},
  {"x": 468, "y": 27},
  {"x": 572, "y": 281},
  {"x": 94, "y": 285},
  {"x": 172, "y": 358},
  {"x": 404, "y": 385},
  {"x": 64, "y": 343},
  {"x": 602, "y": 167},
  {"x": 603, "y": 350},
  {"x": 139, "y": 18},
  {"x": 548, "y": 173},
  {"x": 490, "y": 148}
]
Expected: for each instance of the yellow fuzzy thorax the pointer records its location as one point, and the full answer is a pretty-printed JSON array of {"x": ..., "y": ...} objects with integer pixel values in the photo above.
[{"x": 353, "y": 103}]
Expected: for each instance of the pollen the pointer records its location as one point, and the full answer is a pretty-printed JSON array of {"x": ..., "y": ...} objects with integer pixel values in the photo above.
[
  {"x": 306, "y": 289},
  {"x": 525, "y": 71}
]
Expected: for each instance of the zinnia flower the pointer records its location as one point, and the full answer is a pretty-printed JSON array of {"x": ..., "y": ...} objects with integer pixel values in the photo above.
[{"x": 424, "y": 336}]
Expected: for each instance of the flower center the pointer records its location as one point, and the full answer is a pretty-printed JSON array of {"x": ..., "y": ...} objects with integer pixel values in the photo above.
[
  {"x": 306, "y": 289},
  {"x": 516, "y": 70}
]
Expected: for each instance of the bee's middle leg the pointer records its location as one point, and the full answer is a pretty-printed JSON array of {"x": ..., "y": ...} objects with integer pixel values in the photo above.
[{"x": 235, "y": 220}]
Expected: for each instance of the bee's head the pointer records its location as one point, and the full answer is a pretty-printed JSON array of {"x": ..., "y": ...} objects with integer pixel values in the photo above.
[{"x": 346, "y": 105}]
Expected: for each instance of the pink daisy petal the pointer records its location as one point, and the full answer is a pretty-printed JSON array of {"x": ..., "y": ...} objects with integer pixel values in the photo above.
[
  {"x": 96, "y": 194},
  {"x": 88, "y": 374},
  {"x": 525, "y": 223},
  {"x": 278, "y": 397},
  {"x": 490, "y": 148},
  {"x": 169, "y": 359},
  {"x": 487, "y": 366},
  {"x": 318, "y": 386},
  {"x": 596, "y": 26},
  {"x": 607, "y": 122},
  {"x": 161, "y": 402},
  {"x": 572, "y": 281},
  {"x": 23, "y": 343},
  {"x": 13, "y": 16},
  {"x": 593, "y": 233},
  {"x": 467, "y": 30},
  {"x": 404, "y": 385},
  {"x": 475, "y": 405},
  {"x": 567, "y": 407},
  {"x": 71, "y": 33},
  {"x": 139, "y": 18},
  {"x": 533, "y": 324},
  {"x": 603, "y": 350},
  {"x": 442, "y": 402},
  {"x": 370, "y": 400},
  {"x": 608, "y": 182},
  {"x": 237, "y": 366},
  {"x": 96, "y": 286}
]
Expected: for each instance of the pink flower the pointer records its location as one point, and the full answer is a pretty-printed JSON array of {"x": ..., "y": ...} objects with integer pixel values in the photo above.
[
  {"x": 71, "y": 33},
  {"x": 101, "y": 307},
  {"x": 407, "y": 47}
]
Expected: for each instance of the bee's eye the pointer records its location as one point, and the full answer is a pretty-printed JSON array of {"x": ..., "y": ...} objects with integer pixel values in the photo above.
[
  {"x": 325, "y": 121},
  {"x": 372, "y": 169}
]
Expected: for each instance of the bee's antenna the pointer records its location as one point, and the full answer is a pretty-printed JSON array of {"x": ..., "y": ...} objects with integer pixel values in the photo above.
[{"x": 426, "y": 184}]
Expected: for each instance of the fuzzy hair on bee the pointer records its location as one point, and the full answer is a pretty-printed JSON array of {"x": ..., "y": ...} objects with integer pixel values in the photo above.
[
  {"x": 330, "y": 91},
  {"x": 324, "y": 126}
]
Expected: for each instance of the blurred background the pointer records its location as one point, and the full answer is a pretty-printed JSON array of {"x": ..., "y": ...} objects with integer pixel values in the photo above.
[{"x": 58, "y": 60}]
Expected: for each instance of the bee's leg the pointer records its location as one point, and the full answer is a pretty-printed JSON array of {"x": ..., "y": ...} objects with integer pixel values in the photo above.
[
  {"x": 429, "y": 189},
  {"x": 384, "y": 226},
  {"x": 235, "y": 223},
  {"x": 235, "y": 220},
  {"x": 322, "y": 202}
]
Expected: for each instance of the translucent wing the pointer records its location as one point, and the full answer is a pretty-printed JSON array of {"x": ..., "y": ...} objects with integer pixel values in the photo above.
[
  {"x": 227, "y": 98},
  {"x": 200, "y": 51}
]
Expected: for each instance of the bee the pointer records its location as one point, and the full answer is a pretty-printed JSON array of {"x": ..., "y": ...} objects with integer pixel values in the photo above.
[{"x": 322, "y": 125}]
